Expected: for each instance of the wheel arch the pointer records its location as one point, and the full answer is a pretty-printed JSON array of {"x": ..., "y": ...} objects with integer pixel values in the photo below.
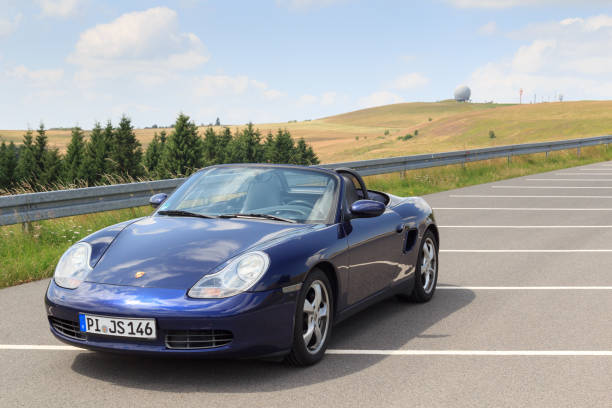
[{"x": 434, "y": 229}]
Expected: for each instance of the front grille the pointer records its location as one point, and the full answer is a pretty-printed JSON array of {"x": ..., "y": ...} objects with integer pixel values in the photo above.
[
  {"x": 198, "y": 339},
  {"x": 67, "y": 328}
]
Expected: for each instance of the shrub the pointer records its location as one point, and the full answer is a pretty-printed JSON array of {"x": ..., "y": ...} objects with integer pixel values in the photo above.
[{"x": 491, "y": 134}]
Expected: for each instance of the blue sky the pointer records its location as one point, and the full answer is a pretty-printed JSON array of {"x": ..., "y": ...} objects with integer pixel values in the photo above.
[{"x": 67, "y": 62}]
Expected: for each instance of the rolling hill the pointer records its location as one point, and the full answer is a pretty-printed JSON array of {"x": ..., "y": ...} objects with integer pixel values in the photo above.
[{"x": 442, "y": 126}]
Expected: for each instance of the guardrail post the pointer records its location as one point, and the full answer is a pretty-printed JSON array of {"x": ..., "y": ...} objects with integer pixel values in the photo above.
[
  {"x": 547, "y": 155},
  {"x": 509, "y": 159},
  {"x": 26, "y": 227},
  {"x": 578, "y": 151}
]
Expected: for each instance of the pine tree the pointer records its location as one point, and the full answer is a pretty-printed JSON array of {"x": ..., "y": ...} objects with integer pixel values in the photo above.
[
  {"x": 305, "y": 154},
  {"x": 210, "y": 146},
  {"x": 126, "y": 151},
  {"x": 109, "y": 141},
  {"x": 52, "y": 163},
  {"x": 217, "y": 122},
  {"x": 283, "y": 150},
  {"x": 94, "y": 163},
  {"x": 246, "y": 146},
  {"x": 26, "y": 165},
  {"x": 154, "y": 153},
  {"x": 40, "y": 148},
  {"x": 268, "y": 147},
  {"x": 12, "y": 157},
  {"x": 222, "y": 151},
  {"x": 7, "y": 165},
  {"x": 74, "y": 156},
  {"x": 184, "y": 152}
]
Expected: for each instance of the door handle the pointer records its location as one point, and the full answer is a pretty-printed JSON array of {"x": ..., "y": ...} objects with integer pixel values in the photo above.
[{"x": 400, "y": 228}]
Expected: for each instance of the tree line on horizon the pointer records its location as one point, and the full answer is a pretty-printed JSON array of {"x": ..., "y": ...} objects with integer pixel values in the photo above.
[{"x": 112, "y": 153}]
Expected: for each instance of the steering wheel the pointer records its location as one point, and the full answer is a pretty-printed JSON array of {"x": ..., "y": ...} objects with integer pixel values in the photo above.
[
  {"x": 291, "y": 210},
  {"x": 300, "y": 202}
]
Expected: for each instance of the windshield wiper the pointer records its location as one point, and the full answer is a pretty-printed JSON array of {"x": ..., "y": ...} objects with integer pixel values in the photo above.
[
  {"x": 264, "y": 216},
  {"x": 181, "y": 213}
]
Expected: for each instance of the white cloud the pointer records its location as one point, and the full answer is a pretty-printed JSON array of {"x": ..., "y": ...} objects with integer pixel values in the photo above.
[
  {"x": 514, "y": 3},
  {"x": 7, "y": 26},
  {"x": 58, "y": 8},
  {"x": 225, "y": 85},
  {"x": 325, "y": 99},
  {"x": 409, "y": 81},
  {"x": 38, "y": 77},
  {"x": 213, "y": 85},
  {"x": 488, "y": 29},
  {"x": 147, "y": 44},
  {"x": 379, "y": 98},
  {"x": 273, "y": 94},
  {"x": 531, "y": 58},
  {"x": 572, "y": 57},
  {"x": 328, "y": 98},
  {"x": 308, "y": 99}
]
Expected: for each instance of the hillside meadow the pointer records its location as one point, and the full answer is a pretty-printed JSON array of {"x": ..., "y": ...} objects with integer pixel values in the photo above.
[{"x": 442, "y": 126}]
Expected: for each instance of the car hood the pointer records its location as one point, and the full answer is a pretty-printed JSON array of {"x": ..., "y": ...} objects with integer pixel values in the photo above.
[{"x": 176, "y": 252}]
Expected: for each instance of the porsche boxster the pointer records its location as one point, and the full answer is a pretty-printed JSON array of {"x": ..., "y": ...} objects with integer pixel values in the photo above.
[{"x": 244, "y": 260}]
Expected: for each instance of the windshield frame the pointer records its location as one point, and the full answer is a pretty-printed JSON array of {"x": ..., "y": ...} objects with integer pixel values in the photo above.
[{"x": 334, "y": 212}]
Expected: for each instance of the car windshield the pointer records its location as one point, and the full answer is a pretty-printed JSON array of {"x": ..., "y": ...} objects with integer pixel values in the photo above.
[{"x": 258, "y": 192}]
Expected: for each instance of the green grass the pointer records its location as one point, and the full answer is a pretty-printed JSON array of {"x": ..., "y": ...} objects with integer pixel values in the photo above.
[
  {"x": 28, "y": 256},
  {"x": 436, "y": 179}
]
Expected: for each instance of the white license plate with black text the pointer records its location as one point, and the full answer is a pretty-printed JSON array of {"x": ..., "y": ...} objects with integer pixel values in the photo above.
[{"x": 117, "y": 326}]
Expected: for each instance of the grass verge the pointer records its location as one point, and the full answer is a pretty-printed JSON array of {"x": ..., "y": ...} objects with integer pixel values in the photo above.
[
  {"x": 26, "y": 257},
  {"x": 436, "y": 179}
]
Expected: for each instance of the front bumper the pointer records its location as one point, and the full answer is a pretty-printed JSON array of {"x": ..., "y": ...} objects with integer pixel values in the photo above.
[{"x": 261, "y": 322}]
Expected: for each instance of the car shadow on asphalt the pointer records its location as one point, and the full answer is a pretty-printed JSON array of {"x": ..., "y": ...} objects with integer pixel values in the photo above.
[{"x": 388, "y": 325}]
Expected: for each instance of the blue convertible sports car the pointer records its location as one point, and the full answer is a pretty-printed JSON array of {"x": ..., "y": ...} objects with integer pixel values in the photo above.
[{"x": 246, "y": 260}]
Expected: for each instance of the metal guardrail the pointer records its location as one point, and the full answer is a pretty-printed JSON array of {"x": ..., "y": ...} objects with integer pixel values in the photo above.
[
  {"x": 421, "y": 161},
  {"x": 24, "y": 208}
]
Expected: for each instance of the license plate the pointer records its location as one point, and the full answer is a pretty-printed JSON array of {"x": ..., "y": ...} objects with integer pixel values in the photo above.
[{"x": 117, "y": 326}]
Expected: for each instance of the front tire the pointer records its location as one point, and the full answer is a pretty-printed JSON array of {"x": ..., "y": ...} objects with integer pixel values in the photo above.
[
  {"x": 313, "y": 320},
  {"x": 426, "y": 273}
]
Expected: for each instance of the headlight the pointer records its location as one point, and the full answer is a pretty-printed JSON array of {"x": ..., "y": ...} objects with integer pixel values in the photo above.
[
  {"x": 237, "y": 276},
  {"x": 73, "y": 267}
]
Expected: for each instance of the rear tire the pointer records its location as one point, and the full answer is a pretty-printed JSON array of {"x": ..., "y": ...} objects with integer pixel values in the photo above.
[
  {"x": 426, "y": 270},
  {"x": 313, "y": 320}
]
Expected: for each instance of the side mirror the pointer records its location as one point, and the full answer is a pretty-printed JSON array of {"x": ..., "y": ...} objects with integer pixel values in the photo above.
[
  {"x": 367, "y": 208},
  {"x": 157, "y": 199}
]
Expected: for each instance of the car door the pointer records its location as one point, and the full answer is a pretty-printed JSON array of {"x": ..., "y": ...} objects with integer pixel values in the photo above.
[{"x": 374, "y": 248}]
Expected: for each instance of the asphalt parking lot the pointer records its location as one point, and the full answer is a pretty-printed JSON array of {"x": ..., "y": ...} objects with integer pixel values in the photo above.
[{"x": 521, "y": 318}]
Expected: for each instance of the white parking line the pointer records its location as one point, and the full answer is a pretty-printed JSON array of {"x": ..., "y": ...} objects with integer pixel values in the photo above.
[
  {"x": 525, "y": 287},
  {"x": 532, "y": 353},
  {"x": 36, "y": 347},
  {"x": 584, "y": 174},
  {"x": 367, "y": 352},
  {"x": 524, "y": 196},
  {"x": 519, "y": 209},
  {"x": 526, "y": 226},
  {"x": 501, "y": 251},
  {"x": 590, "y": 169},
  {"x": 567, "y": 179},
  {"x": 540, "y": 187}
]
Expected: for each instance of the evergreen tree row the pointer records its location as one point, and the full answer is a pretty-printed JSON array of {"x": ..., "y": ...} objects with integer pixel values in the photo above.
[{"x": 111, "y": 153}]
